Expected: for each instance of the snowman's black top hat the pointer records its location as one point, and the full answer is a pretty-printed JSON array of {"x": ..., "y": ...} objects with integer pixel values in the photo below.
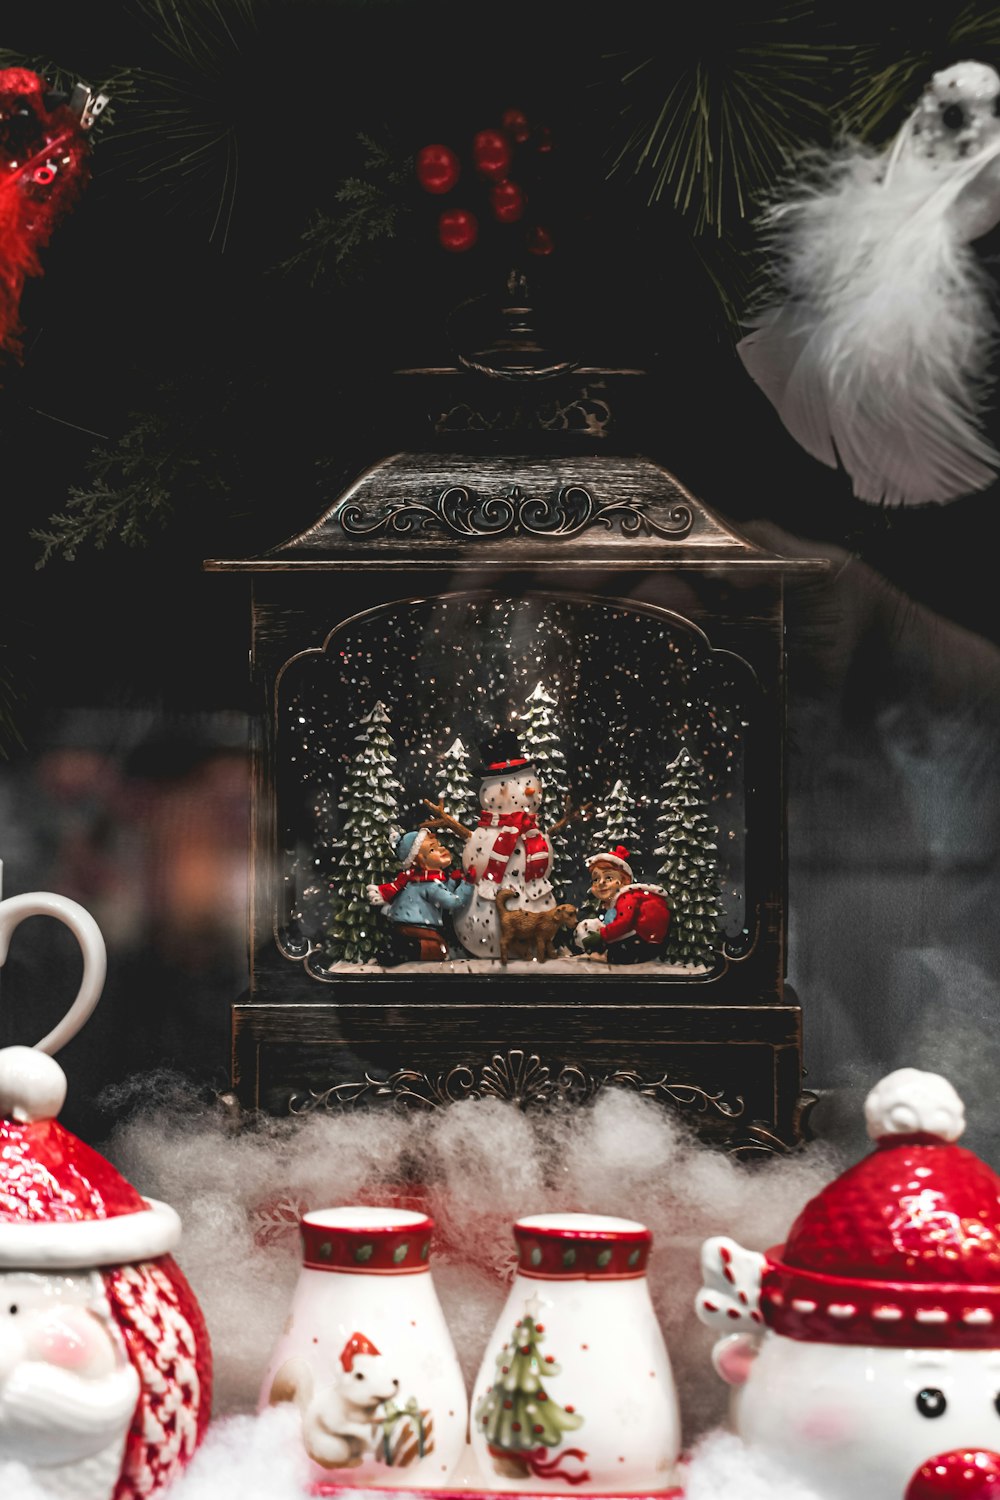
[{"x": 502, "y": 756}]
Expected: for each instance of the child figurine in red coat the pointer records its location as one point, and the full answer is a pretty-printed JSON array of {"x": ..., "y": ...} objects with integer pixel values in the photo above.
[{"x": 633, "y": 929}]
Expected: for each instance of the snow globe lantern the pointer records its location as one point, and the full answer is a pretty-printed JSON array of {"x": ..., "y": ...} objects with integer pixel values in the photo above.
[{"x": 518, "y": 822}]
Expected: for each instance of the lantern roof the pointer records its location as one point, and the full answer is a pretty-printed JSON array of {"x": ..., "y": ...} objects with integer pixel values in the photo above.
[
  {"x": 439, "y": 509},
  {"x": 517, "y": 471}
]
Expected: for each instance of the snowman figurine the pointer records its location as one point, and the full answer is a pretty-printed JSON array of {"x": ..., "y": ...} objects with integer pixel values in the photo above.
[
  {"x": 507, "y": 849},
  {"x": 865, "y": 1351}
]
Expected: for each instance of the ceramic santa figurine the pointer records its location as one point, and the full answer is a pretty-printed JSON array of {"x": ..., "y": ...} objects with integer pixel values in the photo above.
[
  {"x": 424, "y": 891},
  {"x": 507, "y": 849},
  {"x": 865, "y": 1350},
  {"x": 105, "y": 1364},
  {"x": 633, "y": 929}
]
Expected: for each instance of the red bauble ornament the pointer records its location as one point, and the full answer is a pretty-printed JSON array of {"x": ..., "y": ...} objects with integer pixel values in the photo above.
[
  {"x": 539, "y": 241},
  {"x": 438, "y": 169},
  {"x": 507, "y": 201},
  {"x": 458, "y": 229},
  {"x": 491, "y": 153},
  {"x": 544, "y": 142},
  {"x": 515, "y": 122}
]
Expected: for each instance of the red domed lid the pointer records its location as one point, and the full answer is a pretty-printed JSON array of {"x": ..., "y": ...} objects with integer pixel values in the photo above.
[
  {"x": 918, "y": 1210},
  {"x": 904, "y": 1247}
]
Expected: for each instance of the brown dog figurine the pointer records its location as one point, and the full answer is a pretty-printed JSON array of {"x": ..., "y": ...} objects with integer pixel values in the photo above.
[{"x": 530, "y": 934}]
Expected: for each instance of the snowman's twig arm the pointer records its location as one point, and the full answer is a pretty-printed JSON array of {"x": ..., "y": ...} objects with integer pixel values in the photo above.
[
  {"x": 444, "y": 820},
  {"x": 570, "y": 816}
]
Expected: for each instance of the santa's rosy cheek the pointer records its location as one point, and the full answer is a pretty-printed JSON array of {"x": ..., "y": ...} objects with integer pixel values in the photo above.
[{"x": 68, "y": 1342}]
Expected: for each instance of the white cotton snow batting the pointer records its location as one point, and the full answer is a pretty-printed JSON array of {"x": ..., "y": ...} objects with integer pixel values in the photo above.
[{"x": 483, "y": 1163}]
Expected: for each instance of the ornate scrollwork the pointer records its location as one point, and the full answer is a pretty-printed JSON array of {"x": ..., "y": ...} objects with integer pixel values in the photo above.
[
  {"x": 688, "y": 1095},
  {"x": 588, "y": 412},
  {"x": 518, "y": 1076},
  {"x": 571, "y": 510}
]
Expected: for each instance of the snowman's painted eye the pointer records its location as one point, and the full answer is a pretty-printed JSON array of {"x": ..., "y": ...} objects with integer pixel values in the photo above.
[
  {"x": 12, "y": 1309},
  {"x": 996, "y": 1403},
  {"x": 931, "y": 1402}
]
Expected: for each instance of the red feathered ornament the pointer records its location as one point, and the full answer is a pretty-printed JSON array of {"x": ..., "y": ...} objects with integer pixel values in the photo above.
[{"x": 43, "y": 169}]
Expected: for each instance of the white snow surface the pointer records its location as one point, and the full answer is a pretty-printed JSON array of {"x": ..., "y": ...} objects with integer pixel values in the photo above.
[
  {"x": 486, "y": 1163},
  {"x": 569, "y": 964}
]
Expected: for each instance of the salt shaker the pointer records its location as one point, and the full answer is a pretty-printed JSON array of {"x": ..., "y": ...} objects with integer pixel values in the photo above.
[
  {"x": 366, "y": 1354},
  {"x": 576, "y": 1388}
]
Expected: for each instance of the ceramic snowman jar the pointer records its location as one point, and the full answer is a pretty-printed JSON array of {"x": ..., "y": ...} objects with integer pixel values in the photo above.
[
  {"x": 865, "y": 1351},
  {"x": 575, "y": 1391},
  {"x": 507, "y": 849},
  {"x": 105, "y": 1364},
  {"x": 366, "y": 1355}
]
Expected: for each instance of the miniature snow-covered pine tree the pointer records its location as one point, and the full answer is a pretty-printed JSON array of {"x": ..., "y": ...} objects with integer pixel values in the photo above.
[
  {"x": 460, "y": 796},
  {"x": 541, "y": 740},
  {"x": 368, "y": 835},
  {"x": 690, "y": 871},
  {"x": 613, "y": 824}
]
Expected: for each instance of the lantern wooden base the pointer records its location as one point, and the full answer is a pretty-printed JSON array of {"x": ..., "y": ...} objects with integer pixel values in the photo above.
[{"x": 734, "y": 1070}]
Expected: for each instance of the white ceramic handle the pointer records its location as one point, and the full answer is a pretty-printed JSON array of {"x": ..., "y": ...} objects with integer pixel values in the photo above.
[{"x": 87, "y": 934}]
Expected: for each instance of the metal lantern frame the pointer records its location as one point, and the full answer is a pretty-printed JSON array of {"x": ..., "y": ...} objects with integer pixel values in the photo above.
[{"x": 560, "y": 525}]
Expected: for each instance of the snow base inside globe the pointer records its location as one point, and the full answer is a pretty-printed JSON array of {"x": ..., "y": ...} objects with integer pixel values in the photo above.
[{"x": 573, "y": 964}]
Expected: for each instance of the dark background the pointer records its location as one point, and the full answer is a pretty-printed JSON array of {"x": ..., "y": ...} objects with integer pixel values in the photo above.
[{"x": 169, "y": 319}]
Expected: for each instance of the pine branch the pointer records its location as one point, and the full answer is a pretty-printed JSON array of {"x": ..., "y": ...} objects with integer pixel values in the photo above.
[
  {"x": 136, "y": 487},
  {"x": 370, "y": 208},
  {"x": 709, "y": 121}
]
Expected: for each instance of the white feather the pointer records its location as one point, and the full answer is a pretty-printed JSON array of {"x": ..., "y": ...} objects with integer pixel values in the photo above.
[{"x": 876, "y": 349}]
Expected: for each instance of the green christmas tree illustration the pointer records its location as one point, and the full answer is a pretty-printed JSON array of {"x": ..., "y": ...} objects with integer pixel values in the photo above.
[
  {"x": 690, "y": 871},
  {"x": 517, "y": 1415},
  {"x": 367, "y": 838}
]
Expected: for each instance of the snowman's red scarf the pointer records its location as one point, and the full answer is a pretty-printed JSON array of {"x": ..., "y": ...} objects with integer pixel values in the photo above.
[{"x": 514, "y": 826}]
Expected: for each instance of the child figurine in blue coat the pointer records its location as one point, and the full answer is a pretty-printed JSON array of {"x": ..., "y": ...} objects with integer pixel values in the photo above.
[{"x": 421, "y": 894}]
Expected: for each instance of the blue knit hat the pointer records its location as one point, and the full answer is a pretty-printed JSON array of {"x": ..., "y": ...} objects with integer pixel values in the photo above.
[{"x": 406, "y": 849}]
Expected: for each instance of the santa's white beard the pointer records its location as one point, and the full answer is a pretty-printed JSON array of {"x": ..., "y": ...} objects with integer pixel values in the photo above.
[{"x": 50, "y": 1417}]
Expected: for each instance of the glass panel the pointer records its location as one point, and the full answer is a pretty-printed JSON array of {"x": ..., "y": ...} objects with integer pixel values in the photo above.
[{"x": 495, "y": 721}]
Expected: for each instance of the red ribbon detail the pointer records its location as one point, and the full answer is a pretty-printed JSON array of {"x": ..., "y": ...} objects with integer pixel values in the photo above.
[{"x": 549, "y": 1468}]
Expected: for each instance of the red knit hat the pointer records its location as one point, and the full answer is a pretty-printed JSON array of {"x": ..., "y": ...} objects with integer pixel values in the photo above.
[
  {"x": 904, "y": 1248},
  {"x": 62, "y": 1205}
]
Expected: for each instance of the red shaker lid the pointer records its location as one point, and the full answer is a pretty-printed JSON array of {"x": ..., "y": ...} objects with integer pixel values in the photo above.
[
  {"x": 582, "y": 1247},
  {"x": 367, "y": 1241}
]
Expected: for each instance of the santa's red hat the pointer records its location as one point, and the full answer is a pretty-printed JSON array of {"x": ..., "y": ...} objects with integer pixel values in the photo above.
[
  {"x": 356, "y": 1344},
  {"x": 62, "y": 1205},
  {"x": 618, "y": 856},
  {"x": 904, "y": 1248}
]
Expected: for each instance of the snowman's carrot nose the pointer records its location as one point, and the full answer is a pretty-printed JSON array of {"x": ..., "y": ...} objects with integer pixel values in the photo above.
[{"x": 966, "y": 1474}]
